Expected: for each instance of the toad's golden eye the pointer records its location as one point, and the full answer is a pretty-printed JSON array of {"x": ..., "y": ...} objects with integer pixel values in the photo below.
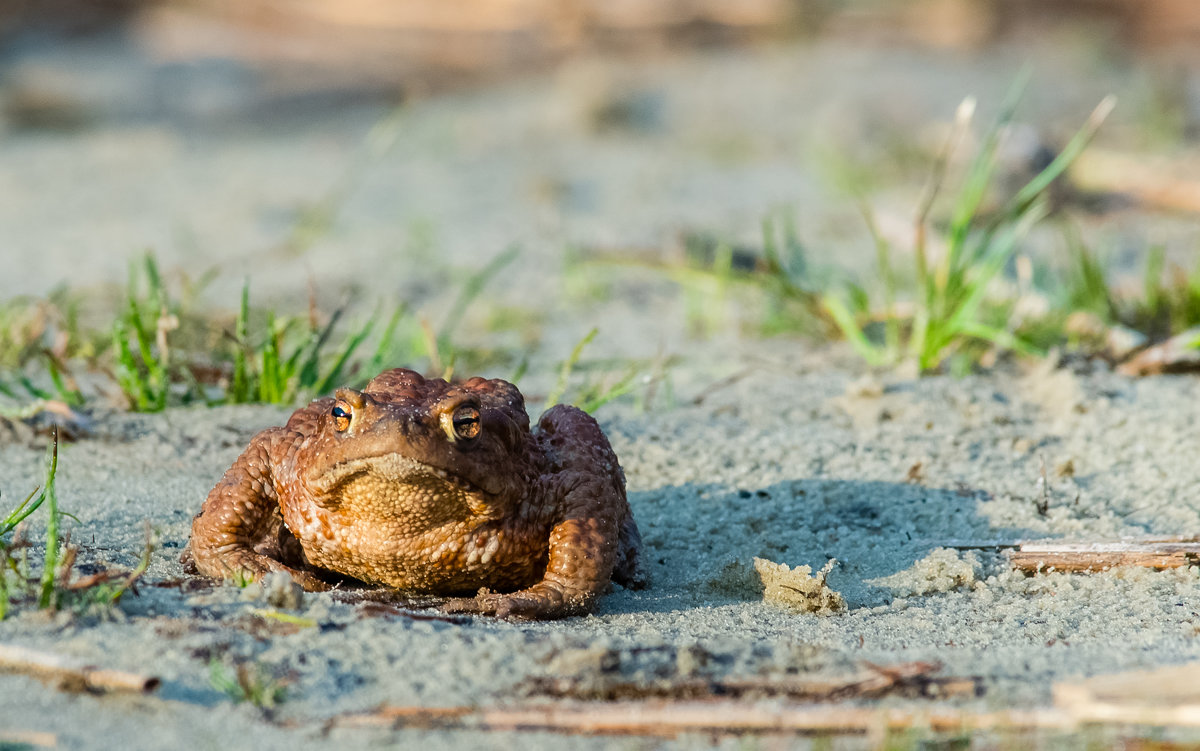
[
  {"x": 465, "y": 423},
  {"x": 342, "y": 413}
]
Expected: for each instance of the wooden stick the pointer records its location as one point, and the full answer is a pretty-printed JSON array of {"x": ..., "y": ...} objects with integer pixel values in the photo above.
[
  {"x": 1162, "y": 185},
  {"x": 667, "y": 719},
  {"x": 1100, "y": 555},
  {"x": 1163, "y": 696},
  {"x": 96, "y": 579},
  {"x": 71, "y": 674},
  {"x": 872, "y": 682},
  {"x": 20, "y": 738}
]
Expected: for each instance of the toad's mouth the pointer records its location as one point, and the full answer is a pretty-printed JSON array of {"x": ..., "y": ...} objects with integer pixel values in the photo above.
[{"x": 393, "y": 469}]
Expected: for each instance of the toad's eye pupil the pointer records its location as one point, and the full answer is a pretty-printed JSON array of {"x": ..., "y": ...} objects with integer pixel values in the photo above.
[
  {"x": 466, "y": 423},
  {"x": 340, "y": 413}
]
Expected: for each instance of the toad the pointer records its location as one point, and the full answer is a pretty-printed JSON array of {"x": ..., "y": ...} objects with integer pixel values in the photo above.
[{"x": 428, "y": 487}]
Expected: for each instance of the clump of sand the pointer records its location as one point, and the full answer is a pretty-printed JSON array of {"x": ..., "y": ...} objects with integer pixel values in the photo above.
[
  {"x": 942, "y": 570},
  {"x": 797, "y": 589}
]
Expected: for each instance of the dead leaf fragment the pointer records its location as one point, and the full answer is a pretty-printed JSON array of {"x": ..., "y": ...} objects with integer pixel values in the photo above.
[
  {"x": 1179, "y": 354},
  {"x": 916, "y": 474}
]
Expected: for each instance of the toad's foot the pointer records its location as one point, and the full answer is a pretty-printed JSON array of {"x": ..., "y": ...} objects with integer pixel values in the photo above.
[
  {"x": 545, "y": 600},
  {"x": 245, "y": 566}
]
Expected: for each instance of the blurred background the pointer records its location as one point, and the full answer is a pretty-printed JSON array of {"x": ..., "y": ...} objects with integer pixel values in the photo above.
[{"x": 593, "y": 152}]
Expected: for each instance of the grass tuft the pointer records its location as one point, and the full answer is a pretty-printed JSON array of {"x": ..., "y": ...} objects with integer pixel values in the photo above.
[
  {"x": 52, "y": 588},
  {"x": 1165, "y": 303},
  {"x": 593, "y": 394},
  {"x": 248, "y": 682},
  {"x": 139, "y": 339},
  {"x": 951, "y": 315},
  {"x": 106, "y": 593},
  {"x": 48, "y": 494},
  {"x": 291, "y": 358},
  {"x": 776, "y": 280}
]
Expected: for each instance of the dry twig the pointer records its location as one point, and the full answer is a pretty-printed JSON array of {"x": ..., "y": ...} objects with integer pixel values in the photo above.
[
  {"x": 1100, "y": 555},
  {"x": 669, "y": 718},
  {"x": 1154, "y": 698},
  {"x": 71, "y": 674},
  {"x": 1165, "y": 696},
  {"x": 909, "y": 678},
  {"x": 24, "y": 738}
]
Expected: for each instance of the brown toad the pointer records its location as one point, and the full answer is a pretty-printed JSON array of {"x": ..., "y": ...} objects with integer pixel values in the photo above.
[{"x": 429, "y": 487}]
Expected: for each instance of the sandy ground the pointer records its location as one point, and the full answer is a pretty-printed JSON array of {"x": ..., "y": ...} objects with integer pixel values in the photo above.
[
  {"x": 797, "y": 462},
  {"x": 784, "y": 466}
]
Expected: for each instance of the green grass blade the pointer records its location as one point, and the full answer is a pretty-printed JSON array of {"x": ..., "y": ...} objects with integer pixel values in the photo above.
[
  {"x": 47, "y": 599},
  {"x": 519, "y": 371},
  {"x": 845, "y": 322},
  {"x": 564, "y": 372},
  {"x": 270, "y": 388},
  {"x": 155, "y": 289},
  {"x": 883, "y": 260},
  {"x": 334, "y": 376},
  {"x": 282, "y": 617},
  {"x": 154, "y": 385},
  {"x": 1000, "y": 338},
  {"x": 1069, "y": 153},
  {"x": 979, "y": 176},
  {"x": 1086, "y": 282},
  {"x": 34, "y": 391},
  {"x": 22, "y": 511},
  {"x": 240, "y": 387},
  {"x": 129, "y": 378},
  {"x": 1032, "y": 190},
  {"x": 1152, "y": 286},
  {"x": 770, "y": 250},
  {"x": 310, "y": 371},
  {"x": 3, "y": 582},
  {"x": 384, "y": 347},
  {"x": 618, "y": 389},
  {"x": 991, "y": 266},
  {"x": 71, "y": 396},
  {"x": 471, "y": 289}
]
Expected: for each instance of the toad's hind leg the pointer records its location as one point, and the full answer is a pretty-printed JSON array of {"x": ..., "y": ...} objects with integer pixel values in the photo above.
[
  {"x": 593, "y": 537},
  {"x": 239, "y": 533},
  {"x": 628, "y": 571}
]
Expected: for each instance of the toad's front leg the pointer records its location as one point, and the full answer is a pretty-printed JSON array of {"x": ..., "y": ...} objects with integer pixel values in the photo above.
[
  {"x": 239, "y": 533},
  {"x": 582, "y": 554}
]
